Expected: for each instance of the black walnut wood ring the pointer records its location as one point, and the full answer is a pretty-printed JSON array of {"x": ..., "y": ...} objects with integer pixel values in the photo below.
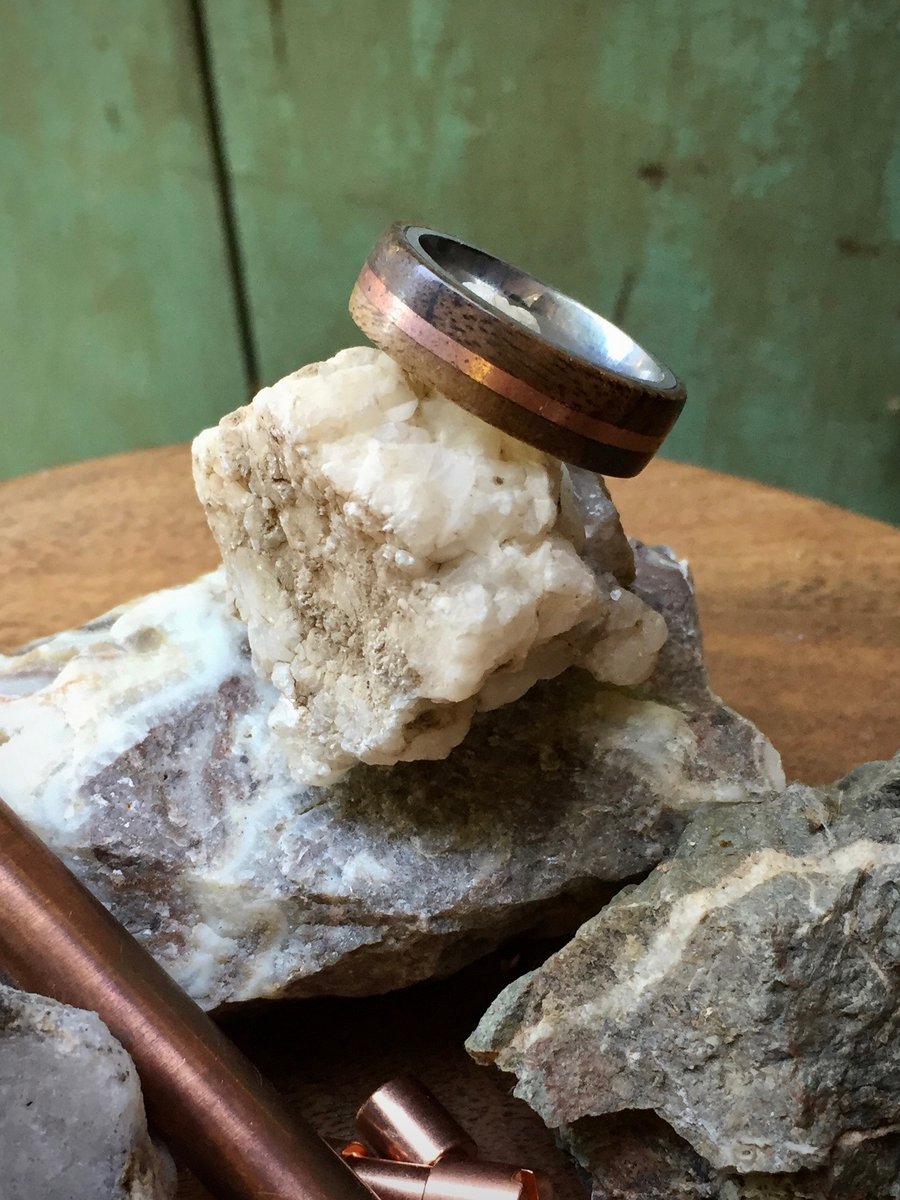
[{"x": 514, "y": 351}]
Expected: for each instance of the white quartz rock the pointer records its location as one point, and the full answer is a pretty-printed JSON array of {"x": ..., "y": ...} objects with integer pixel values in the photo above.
[
  {"x": 72, "y": 1123},
  {"x": 401, "y": 564},
  {"x": 138, "y": 748}
]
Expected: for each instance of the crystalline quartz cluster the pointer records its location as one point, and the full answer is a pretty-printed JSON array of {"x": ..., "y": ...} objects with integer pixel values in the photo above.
[{"x": 401, "y": 565}]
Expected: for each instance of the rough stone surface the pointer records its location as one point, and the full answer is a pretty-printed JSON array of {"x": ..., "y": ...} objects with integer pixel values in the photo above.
[
  {"x": 72, "y": 1123},
  {"x": 138, "y": 747},
  {"x": 401, "y": 564},
  {"x": 747, "y": 991},
  {"x": 637, "y": 1156}
]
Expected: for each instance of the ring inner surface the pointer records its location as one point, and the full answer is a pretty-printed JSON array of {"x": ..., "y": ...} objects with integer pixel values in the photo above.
[{"x": 565, "y": 322}]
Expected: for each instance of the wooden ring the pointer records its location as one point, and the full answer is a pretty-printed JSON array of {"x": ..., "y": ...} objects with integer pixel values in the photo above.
[{"x": 514, "y": 351}]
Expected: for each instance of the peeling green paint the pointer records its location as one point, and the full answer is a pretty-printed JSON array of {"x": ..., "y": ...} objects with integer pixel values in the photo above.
[
  {"x": 723, "y": 177},
  {"x": 116, "y": 323}
]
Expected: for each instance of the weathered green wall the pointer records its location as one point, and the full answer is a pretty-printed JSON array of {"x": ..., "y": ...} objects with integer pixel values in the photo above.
[
  {"x": 723, "y": 177},
  {"x": 116, "y": 319}
]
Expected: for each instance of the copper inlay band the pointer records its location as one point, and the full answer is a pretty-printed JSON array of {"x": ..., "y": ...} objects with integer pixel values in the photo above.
[{"x": 493, "y": 377}]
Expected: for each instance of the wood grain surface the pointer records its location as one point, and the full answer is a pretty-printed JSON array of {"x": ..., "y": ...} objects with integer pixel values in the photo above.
[
  {"x": 800, "y": 601},
  {"x": 800, "y": 604},
  {"x": 517, "y": 374}
]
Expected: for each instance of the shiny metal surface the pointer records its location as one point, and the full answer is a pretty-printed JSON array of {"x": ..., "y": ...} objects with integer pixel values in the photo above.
[
  {"x": 403, "y": 1120},
  {"x": 460, "y": 1180},
  {"x": 202, "y": 1095},
  {"x": 391, "y": 1180},
  {"x": 560, "y": 319},
  {"x": 482, "y": 1181}
]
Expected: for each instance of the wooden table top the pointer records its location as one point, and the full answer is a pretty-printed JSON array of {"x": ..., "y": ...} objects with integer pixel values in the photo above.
[
  {"x": 800, "y": 606},
  {"x": 800, "y": 601}
]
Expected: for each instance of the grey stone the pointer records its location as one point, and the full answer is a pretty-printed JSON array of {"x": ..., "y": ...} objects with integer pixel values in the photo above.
[
  {"x": 138, "y": 747},
  {"x": 748, "y": 991},
  {"x": 72, "y": 1124},
  {"x": 637, "y": 1156}
]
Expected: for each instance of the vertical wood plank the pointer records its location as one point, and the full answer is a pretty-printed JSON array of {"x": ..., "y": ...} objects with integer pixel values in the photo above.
[
  {"x": 721, "y": 178},
  {"x": 116, "y": 316}
]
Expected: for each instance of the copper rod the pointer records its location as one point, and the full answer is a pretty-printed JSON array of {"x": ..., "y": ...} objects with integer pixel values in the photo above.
[
  {"x": 461, "y": 1179},
  {"x": 202, "y": 1095},
  {"x": 391, "y": 1180},
  {"x": 404, "y": 1121}
]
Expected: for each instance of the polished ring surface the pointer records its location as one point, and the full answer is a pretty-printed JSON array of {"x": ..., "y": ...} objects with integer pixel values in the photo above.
[{"x": 514, "y": 351}]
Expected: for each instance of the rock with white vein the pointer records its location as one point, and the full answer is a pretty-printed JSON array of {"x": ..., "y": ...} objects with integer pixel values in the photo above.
[
  {"x": 747, "y": 991},
  {"x": 139, "y": 748},
  {"x": 72, "y": 1124},
  {"x": 401, "y": 564},
  {"x": 637, "y": 1156}
]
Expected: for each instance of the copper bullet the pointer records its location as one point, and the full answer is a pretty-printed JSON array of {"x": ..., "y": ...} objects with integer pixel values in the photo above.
[
  {"x": 202, "y": 1095},
  {"x": 462, "y": 1180},
  {"x": 404, "y": 1121}
]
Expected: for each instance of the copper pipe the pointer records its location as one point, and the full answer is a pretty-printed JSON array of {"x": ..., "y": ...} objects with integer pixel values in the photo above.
[
  {"x": 205, "y": 1098},
  {"x": 462, "y": 1180},
  {"x": 404, "y": 1121},
  {"x": 391, "y": 1180},
  {"x": 485, "y": 1181}
]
